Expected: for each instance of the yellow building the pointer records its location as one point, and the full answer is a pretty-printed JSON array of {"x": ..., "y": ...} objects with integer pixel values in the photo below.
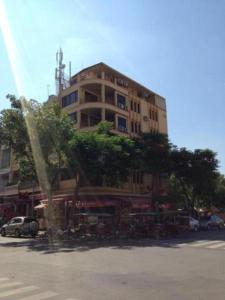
[{"x": 99, "y": 93}]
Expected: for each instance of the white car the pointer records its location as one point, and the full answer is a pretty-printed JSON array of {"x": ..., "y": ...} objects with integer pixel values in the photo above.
[{"x": 194, "y": 224}]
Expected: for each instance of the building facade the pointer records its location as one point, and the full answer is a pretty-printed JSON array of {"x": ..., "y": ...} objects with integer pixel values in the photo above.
[
  {"x": 100, "y": 93},
  {"x": 95, "y": 94}
]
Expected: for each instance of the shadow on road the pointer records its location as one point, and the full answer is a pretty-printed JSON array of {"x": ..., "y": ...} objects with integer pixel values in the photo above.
[{"x": 47, "y": 247}]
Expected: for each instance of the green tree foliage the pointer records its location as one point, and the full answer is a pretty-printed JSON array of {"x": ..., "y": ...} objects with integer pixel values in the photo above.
[
  {"x": 153, "y": 157},
  {"x": 99, "y": 158},
  {"x": 219, "y": 193},
  {"x": 195, "y": 175},
  {"x": 38, "y": 135}
]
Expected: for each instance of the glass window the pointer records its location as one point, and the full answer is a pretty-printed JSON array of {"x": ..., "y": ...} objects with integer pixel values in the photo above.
[
  {"x": 29, "y": 220},
  {"x": 121, "y": 101},
  {"x": 69, "y": 99},
  {"x": 73, "y": 117},
  {"x": 122, "y": 124},
  {"x": 132, "y": 126},
  {"x": 138, "y": 108},
  {"x": 135, "y": 106},
  {"x": 131, "y": 105},
  {"x": 135, "y": 126},
  {"x": 139, "y": 127}
]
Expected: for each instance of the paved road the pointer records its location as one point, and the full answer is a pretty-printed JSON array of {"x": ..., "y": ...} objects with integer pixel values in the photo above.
[{"x": 184, "y": 268}]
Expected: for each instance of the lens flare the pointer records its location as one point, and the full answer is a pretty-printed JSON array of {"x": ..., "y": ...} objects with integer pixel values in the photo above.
[{"x": 18, "y": 74}]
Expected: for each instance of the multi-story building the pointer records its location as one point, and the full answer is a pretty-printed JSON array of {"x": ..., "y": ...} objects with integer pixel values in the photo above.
[
  {"x": 99, "y": 93},
  {"x": 94, "y": 94}
]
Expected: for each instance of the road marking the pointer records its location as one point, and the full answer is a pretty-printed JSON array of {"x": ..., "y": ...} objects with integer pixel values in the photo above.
[
  {"x": 41, "y": 296},
  {"x": 9, "y": 284},
  {"x": 219, "y": 245},
  {"x": 200, "y": 244},
  {"x": 19, "y": 291}
]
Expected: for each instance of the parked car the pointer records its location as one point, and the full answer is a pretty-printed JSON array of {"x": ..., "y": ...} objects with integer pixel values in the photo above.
[
  {"x": 210, "y": 222},
  {"x": 20, "y": 226},
  {"x": 194, "y": 224},
  {"x": 191, "y": 223}
]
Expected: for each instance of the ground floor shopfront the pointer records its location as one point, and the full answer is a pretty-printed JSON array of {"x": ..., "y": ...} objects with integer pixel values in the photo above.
[{"x": 91, "y": 208}]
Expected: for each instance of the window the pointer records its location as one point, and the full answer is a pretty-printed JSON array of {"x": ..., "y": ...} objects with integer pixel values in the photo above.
[
  {"x": 73, "y": 117},
  {"x": 156, "y": 116},
  {"x": 122, "y": 124},
  {"x": 69, "y": 99},
  {"x": 135, "y": 106},
  {"x": 16, "y": 221},
  {"x": 135, "y": 126},
  {"x": 139, "y": 127},
  {"x": 132, "y": 126},
  {"x": 131, "y": 105},
  {"x": 121, "y": 101},
  {"x": 138, "y": 108},
  {"x": 150, "y": 114},
  {"x": 5, "y": 159}
]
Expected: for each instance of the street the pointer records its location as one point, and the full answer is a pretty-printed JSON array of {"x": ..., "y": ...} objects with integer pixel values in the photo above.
[{"x": 184, "y": 268}]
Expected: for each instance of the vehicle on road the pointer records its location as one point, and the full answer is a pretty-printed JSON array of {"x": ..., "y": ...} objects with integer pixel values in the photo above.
[
  {"x": 210, "y": 222},
  {"x": 21, "y": 226},
  {"x": 194, "y": 224}
]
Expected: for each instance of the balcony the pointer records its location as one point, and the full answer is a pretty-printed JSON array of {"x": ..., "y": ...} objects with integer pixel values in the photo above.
[{"x": 90, "y": 117}]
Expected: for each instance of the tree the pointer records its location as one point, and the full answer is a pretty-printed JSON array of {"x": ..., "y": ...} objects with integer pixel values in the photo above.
[
  {"x": 195, "y": 172},
  {"x": 99, "y": 158},
  {"x": 50, "y": 131},
  {"x": 153, "y": 157},
  {"x": 38, "y": 135},
  {"x": 219, "y": 194}
]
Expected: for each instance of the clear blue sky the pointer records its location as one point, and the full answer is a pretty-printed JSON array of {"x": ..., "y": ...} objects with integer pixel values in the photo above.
[{"x": 176, "y": 48}]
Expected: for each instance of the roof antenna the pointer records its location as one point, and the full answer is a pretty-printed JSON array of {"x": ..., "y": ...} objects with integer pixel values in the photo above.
[{"x": 59, "y": 72}]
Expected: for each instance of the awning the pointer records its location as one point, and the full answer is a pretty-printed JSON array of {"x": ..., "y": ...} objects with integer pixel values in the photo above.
[
  {"x": 97, "y": 203},
  {"x": 40, "y": 206}
]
